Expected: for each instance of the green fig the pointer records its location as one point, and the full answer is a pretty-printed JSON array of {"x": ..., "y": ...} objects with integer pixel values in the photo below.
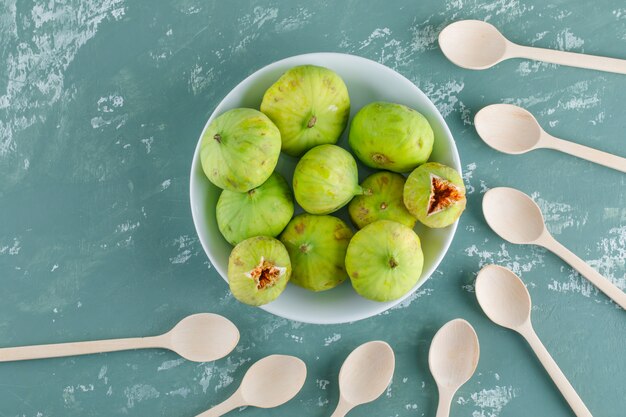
[
  {"x": 325, "y": 179},
  {"x": 384, "y": 260},
  {"x": 240, "y": 149},
  {"x": 262, "y": 211},
  {"x": 258, "y": 270},
  {"x": 381, "y": 200},
  {"x": 317, "y": 248},
  {"x": 310, "y": 105},
  {"x": 391, "y": 136},
  {"x": 435, "y": 194}
]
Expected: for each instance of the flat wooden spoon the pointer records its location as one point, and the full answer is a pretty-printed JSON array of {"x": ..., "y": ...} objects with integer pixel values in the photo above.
[
  {"x": 364, "y": 376},
  {"x": 515, "y": 217},
  {"x": 200, "y": 338},
  {"x": 506, "y": 301},
  {"x": 270, "y": 382},
  {"x": 474, "y": 44},
  {"x": 514, "y": 130},
  {"x": 452, "y": 359}
]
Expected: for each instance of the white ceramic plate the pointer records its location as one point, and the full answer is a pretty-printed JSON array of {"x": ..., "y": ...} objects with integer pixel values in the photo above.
[{"x": 367, "y": 81}]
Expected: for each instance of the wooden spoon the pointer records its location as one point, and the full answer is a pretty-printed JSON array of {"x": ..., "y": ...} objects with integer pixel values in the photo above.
[
  {"x": 364, "y": 376},
  {"x": 515, "y": 217},
  {"x": 505, "y": 300},
  {"x": 514, "y": 130},
  {"x": 452, "y": 358},
  {"x": 474, "y": 44},
  {"x": 200, "y": 338},
  {"x": 270, "y": 382}
]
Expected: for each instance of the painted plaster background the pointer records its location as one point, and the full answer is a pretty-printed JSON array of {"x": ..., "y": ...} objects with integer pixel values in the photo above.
[{"x": 101, "y": 105}]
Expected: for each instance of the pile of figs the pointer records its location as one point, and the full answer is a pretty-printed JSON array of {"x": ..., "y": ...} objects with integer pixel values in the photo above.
[{"x": 303, "y": 114}]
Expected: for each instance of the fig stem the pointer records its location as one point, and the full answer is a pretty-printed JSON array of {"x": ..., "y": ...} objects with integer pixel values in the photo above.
[
  {"x": 392, "y": 263},
  {"x": 218, "y": 138},
  {"x": 362, "y": 191},
  {"x": 312, "y": 122}
]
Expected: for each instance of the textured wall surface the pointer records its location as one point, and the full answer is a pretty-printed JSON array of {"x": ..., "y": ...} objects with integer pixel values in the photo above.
[{"x": 101, "y": 105}]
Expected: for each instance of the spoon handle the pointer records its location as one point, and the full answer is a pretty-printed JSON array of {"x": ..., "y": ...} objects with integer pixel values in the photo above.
[
  {"x": 590, "y": 154},
  {"x": 572, "y": 398},
  {"x": 77, "y": 348},
  {"x": 572, "y": 59},
  {"x": 342, "y": 409},
  {"x": 603, "y": 284},
  {"x": 224, "y": 407},
  {"x": 443, "y": 408}
]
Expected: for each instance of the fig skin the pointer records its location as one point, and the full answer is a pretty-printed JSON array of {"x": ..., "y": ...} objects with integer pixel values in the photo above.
[
  {"x": 417, "y": 194},
  {"x": 384, "y": 260},
  {"x": 240, "y": 149},
  {"x": 391, "y": 136},
  {"x": 262, "y": 211},
  {"x": 245, "y": 258},
  {"x": 381, "y": 200},
  {"x": 317, "y": 248},
  {"x": 310, "y": 106},
  {"x": 325, "y": 179}
]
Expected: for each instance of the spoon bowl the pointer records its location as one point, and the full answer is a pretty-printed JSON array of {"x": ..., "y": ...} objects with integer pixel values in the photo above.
[
  {"x": 366, "y": 372},
  {"x": 364, "y": 376},
  {"x": 273, "y": 381},
  {"x": 513, "y": 215},
  {"x": 473, "y": 44},
  {"x": 203, "y": 337},
  {"x": 453, "y": 354},
  {"x": 503, "y": 297},
  {"x": 508, "y": 128}
]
